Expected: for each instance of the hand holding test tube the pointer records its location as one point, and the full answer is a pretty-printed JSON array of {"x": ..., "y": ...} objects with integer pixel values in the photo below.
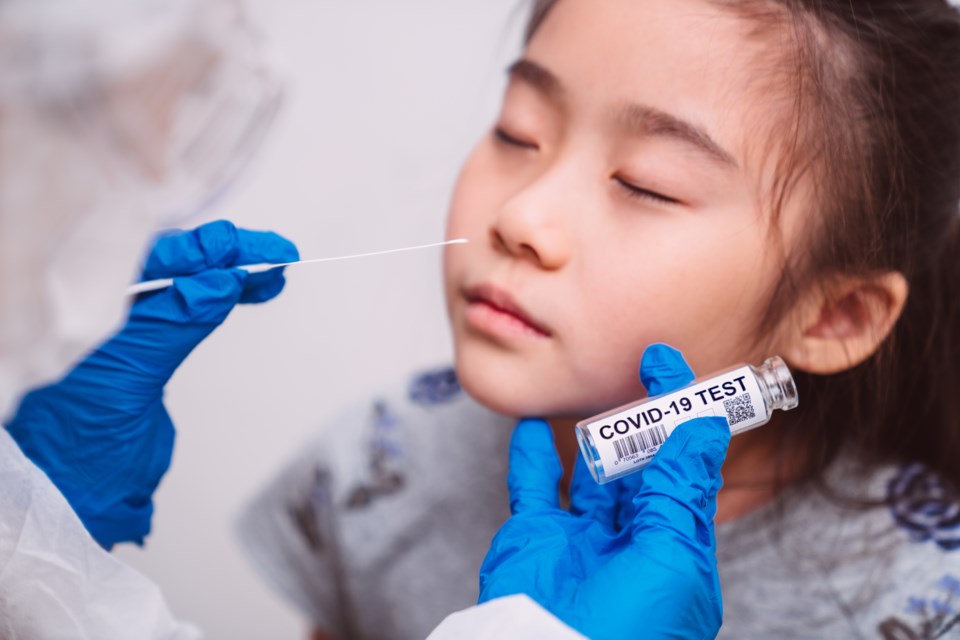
[
  {"x": 624, "y": 440},
  {"x": 624, "y": 561}
]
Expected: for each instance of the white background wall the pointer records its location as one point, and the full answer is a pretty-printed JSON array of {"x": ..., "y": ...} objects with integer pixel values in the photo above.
[{"x": 386, "y": 99}]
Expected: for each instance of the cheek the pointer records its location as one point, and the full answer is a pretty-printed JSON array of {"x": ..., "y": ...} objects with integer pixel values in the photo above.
[
  {"x": 695, "y": 289},
  {"x": 463, "y": 219}
]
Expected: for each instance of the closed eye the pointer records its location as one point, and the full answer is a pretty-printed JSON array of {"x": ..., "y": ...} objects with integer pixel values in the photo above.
[
  {"x": 640, "y": 193},
  {"x": 502, "y": 136}
]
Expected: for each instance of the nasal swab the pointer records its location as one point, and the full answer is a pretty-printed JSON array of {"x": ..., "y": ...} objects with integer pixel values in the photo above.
[{"x": 156, "y": 285}]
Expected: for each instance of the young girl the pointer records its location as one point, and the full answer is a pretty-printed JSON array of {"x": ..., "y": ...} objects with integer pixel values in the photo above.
[{"x": 738, "y": 179}]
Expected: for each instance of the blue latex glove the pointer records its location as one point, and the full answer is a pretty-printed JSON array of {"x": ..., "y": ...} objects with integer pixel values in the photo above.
[
  {"x": 630, "y": 559},
  {"x": 102, "y": 434}
]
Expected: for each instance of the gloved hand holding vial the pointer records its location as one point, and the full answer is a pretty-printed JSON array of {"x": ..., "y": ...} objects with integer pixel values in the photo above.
[
  {"x": 624, "y": 440},
  {"x": 646, "y": 555}
]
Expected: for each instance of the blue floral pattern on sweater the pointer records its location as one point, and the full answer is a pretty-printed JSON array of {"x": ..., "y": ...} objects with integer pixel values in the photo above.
[
  {"x": 435, "y": 387},
  {"x": 932, "y": 615},
  {"x": 925, "y": 507}
]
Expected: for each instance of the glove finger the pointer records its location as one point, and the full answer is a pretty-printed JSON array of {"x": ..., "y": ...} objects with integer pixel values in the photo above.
[
  {"x": 256, "y": 247},
  {"x": 587, "y": 498},
  {"x": 180, "y": 253},
  {"x": 663, "y": 369},
  {"x": 678, "y": 496},
  {"x": 261, "y": 287},
  {"x": 204, "y": 298},
  {"x": 626, "y": 487},
  {"x": 214, "y": 245},
  {"x": 535, "y": 469},
  {"x": 209, "y": 297}
]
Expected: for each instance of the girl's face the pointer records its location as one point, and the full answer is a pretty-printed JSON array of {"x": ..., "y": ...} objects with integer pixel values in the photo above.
[{"x": 619, "y": 201}]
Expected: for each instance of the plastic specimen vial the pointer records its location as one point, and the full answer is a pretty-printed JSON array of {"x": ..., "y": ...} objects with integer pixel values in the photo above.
[{"x": 624, "y": 440}]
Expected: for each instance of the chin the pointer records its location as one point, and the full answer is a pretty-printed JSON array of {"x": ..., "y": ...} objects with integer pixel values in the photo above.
[
  {"x": 494, "y": 398},
  {"x": 498, "y": 385},
  {"x": 488, "y": 391},
  {"x": 515, "y": 391}
]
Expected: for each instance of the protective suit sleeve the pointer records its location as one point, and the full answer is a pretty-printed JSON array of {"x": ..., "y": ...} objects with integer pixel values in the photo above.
[
  {"x": 55, "y": 580},
  {"x": 515, "y": 617}
]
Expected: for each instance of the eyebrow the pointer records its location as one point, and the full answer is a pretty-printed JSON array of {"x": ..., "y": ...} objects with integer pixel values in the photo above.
[
  {"x": 637, "y": 118},
  {"x": 646, "y": 120},
  {"x": 536, "y": 76}
]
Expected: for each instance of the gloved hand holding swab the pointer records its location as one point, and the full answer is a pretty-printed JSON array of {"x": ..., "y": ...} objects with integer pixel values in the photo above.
[{"x": 157, "y": 285}]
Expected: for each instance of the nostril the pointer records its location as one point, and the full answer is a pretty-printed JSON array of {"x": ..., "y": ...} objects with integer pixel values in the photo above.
[
  {"x": 528, "y": 251},
  {"x": 498, "y": 241},
  {"x": 520, "y": 250}
]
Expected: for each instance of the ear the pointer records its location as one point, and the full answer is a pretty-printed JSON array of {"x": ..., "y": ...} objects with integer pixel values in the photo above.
[{"x": 839, "y": 327}]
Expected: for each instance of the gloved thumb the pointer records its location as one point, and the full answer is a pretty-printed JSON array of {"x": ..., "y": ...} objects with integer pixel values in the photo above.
[
  {"x": 535, "y": 469},
  {"x": 205, "y": 298},
  {"x": 166, "y": 326},
  {"x": 214, "y": 245},
  {"x": 679, "y": 490},
  {"x": 663, "y": 369},
  {"x": 221, "y": 245},
  {"x": 587, "y": 498}
]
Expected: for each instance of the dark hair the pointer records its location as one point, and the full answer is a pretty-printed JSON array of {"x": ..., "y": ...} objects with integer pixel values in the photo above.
[{"x": 876, "y": 126}]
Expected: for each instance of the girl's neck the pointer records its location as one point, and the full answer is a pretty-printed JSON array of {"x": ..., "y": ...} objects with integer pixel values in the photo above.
[{"x": 753, "y": 472}]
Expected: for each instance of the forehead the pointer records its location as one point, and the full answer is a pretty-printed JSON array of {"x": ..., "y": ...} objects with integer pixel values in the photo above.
[{"x": 689, "y": 58}]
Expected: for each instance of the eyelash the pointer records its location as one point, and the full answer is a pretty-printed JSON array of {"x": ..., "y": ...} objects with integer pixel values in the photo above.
[
  {"x": 632, "y": 190},
  {"x": 639, "y": 193},
  {"x": 506, "y": 138}
]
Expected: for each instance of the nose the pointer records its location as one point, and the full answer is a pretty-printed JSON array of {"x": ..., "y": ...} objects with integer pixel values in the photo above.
[{"x": 534, "y": 226}]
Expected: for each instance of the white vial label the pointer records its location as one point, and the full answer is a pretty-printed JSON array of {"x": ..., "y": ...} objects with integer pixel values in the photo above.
[{"x": 628, "y": 438}]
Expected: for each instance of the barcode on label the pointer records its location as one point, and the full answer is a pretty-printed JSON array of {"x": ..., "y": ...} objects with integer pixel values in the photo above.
[
  {"x": 739, "y": 409},
  {"x": 630, "y": 445}
]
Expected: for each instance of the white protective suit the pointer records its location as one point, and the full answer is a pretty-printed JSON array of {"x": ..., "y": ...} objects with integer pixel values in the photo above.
[{"x": 117, "y": 117}]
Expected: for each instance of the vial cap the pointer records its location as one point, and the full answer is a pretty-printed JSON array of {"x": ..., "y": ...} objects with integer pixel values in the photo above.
[{"x": 780, "y": 384}]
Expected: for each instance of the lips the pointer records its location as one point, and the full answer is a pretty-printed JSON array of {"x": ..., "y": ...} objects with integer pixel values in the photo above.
[{"x": 497, "y": 310}]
